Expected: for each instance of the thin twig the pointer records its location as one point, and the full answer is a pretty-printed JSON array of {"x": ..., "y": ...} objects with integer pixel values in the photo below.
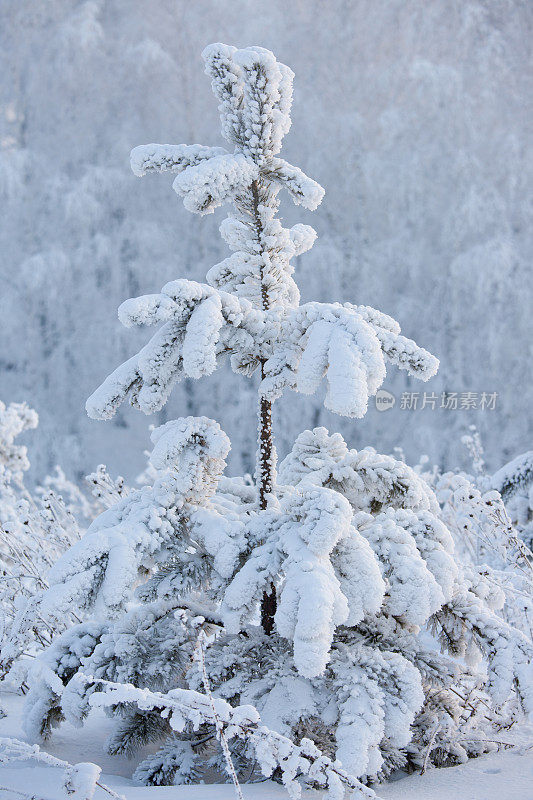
[
  {"x": 221, "y": 736},
  {"x": 430, "y": 747}
]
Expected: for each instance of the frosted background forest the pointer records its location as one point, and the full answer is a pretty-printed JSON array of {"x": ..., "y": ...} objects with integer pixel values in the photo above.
[
  {"x": 340, "y": 619},
  {"x": 413, "y": 114}
]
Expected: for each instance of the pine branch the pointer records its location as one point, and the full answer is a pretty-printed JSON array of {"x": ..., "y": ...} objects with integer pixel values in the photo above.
[{"x": 187, "y": 708}]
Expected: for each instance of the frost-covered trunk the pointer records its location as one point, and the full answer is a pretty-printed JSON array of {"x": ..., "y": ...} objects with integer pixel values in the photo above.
[
  {"x": 265, "y": 444},
  {"x": 265, "y": 465},
  {"x": 265, "y": 470},
  {"x": 265, "y": 481}
]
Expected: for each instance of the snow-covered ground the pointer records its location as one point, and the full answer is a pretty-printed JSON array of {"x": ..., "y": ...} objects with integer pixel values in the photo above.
[{"x": 500, "y": 776}]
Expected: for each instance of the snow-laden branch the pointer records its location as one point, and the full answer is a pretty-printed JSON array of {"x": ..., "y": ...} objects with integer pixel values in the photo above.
[
  {"x": 514, "y": 476},
  {"x": 509, "y": 652},
  {"x": 302, "y": 189},
  {"x": 185, "y": 708},
  {"x": 348, "y": 346},
  {"x": 79, "y": 780},
  {"x": 170, "y": 157},
  {"x": 367, "y": 479},
  {"x": 313, "y": 549},
  {"x": 101, "y": 570},
  {"x": 200, "y": 324},
  {"x": 213, "y": 182}
]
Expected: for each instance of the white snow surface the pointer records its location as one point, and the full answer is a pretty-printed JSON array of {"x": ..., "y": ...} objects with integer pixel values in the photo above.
[{"x": 506, "y": 775}]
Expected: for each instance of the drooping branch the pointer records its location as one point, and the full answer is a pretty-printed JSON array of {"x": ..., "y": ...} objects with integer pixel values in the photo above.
[
  {"x": 186, "y": 708},
  {"x": 77, "y": 778}
]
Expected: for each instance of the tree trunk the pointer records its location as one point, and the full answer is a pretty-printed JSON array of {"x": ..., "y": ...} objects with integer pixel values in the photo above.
[
  {"x": 265, "y": 462},
  {"x": 265, "y": 467}
]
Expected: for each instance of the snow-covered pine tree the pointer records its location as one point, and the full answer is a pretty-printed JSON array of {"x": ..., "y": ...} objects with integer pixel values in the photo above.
[
  {"x": 319, "y": 581},
  {"x": 250, "y": 308}
]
